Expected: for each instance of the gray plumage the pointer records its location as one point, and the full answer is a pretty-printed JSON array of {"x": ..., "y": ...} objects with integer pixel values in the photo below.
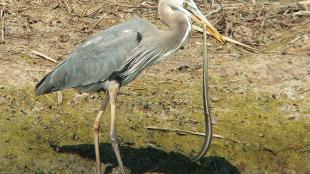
[
  {"x": 118, "y": 53},
  {"x": 100, "y": 58},
  {"x": 116, "y": 56}
]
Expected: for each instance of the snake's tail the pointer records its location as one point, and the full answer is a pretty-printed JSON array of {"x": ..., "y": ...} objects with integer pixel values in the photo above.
[{"x": 208, "y": 121}]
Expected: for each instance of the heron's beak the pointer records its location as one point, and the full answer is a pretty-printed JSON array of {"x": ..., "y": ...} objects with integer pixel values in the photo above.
[{"x": 199, "y": 17}]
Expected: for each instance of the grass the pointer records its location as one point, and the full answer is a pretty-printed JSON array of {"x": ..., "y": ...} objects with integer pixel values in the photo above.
[{"x": 39, "y": 136}]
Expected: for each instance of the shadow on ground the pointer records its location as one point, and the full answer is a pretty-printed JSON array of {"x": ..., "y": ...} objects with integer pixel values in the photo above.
[{"x": 142, "y": 160}]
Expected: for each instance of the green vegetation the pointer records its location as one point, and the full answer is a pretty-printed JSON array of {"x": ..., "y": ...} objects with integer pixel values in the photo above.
[{"x": 39, "y": 136}]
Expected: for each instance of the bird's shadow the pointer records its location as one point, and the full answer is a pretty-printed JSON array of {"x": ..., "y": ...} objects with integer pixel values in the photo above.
[{"x": 143, "y": 160}]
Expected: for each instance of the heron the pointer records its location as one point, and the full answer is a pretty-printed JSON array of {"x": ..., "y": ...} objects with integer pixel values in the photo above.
[{"x": 114, "y": 57}]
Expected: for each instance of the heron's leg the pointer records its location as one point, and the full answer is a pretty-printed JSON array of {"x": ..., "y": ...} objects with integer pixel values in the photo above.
[
  {"x": 113, "y": 91},
  {"x": 96, "y": 128}
]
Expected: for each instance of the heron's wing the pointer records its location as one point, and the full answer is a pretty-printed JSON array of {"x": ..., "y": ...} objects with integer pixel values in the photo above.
[
  {"x": 150, "y": 50},
  {"x": 95, "y": 60}
]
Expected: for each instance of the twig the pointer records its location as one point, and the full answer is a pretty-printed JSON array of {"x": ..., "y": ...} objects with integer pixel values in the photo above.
[
  {"x": 147, "y": 5},
  {"x": 295, "y": 40},
  {"x": 267, "y": 149},
  {"x": 251, "y": 9},
  {"x": 100, "y": 20},
  {"x": 228, "y": 27},
  {"x": 211, "y": 2},
  {"x": 140, "y": 6},
  {"x": 228, "y": 40},
  {"x": 304, "y": 48},
  {"x": 304, "y": 2},
  {"x": 43, "y": 56},
  {"x": 215, "y": 11},
  {"x": 277, "y": 52},
  {"x": 96, "y": 11},
  {"x": 59, "y": 97},
  {"x": 68, "y": 7},
  {"x": 302, "y": 13},
  {"x": 37, "y": 70},
  {"x": 185, "y": 132},
  {"x": 2, "y": 15}
]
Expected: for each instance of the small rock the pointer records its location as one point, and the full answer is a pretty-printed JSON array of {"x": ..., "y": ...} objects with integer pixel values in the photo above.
[
  {"x": 37, "y": 108},
  {"x": 153, "y": 146},
  {"x": 215, "y": 99},
  {"x": 197, "y": 67},
  {"x": 2, "y": 99},
  {"x": 292, "y": 117},
  {"x": 148, "y": 106},
  {"x": 75, "y": 137},
  {"x": 183, "y": 68},
  {"x": 290, "y": 171},
  {"x": 64, "y": 38},
  {"x": 192, "y": 121}
]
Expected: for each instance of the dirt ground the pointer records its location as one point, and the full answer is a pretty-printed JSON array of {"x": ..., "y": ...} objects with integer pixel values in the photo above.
[{"x": 260, "y": 100}]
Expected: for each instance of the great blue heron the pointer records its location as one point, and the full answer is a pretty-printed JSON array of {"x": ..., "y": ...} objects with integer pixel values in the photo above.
[{"x": 116, "y": 56}]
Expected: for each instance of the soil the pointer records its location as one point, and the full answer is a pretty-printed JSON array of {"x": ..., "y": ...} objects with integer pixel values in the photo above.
[{"x": 260, "y": 100}]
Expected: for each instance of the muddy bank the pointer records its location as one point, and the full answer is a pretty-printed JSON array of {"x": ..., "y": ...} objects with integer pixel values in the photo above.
[{"x": 260, "y": 101}]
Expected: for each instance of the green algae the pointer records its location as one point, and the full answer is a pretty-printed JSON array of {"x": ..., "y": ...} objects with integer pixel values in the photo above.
[{"x": 33, "y": 129}]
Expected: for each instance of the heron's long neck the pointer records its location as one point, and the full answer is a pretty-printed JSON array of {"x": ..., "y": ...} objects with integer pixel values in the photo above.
[{"x": 179, "y": 26}]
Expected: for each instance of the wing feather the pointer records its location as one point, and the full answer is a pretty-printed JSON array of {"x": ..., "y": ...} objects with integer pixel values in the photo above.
[
  {"x": 96, "y": 59},
  {"x": 145, "y": 54}
]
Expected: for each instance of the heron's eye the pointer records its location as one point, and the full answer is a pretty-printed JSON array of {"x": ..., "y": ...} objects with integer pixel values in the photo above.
[{"x": 185, "y": 4}]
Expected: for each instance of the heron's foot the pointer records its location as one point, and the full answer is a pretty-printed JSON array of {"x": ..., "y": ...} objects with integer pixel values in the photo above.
[{"x": 115, "y": 147}]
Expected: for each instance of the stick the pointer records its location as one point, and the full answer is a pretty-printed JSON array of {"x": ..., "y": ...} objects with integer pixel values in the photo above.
[
  {"x": 211, "y": 3},
  {"x": 182, "y": 132},
  {"x": 185, "y": 132},
  {"x": 44, "y": 56},
  {"x": 38, "y": 70},
  {"x": 130, "y": 6},
  {"x": 68, "y": 7},
  {"x": 2, "y": 15},
  {"x": 295, "y": 40},
  {"x": 302, "y": 13},
  {"x": 100, "y": 19},
  {"x": 304, "y": 2},
  {"x": 59, "y": 97},
  {"x": 215, "y": 11},
  {"x": 228, "y": 39},
  {"x": 96, "y": 11}
]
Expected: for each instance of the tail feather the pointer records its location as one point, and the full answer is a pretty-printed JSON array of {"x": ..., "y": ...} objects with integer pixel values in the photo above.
[
  {"x": 53, "y": 81},
  {"x": 45, "y": 85}
]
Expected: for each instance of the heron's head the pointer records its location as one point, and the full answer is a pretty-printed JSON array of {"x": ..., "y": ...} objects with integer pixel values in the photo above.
[{"x": 190, "y": 9}]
